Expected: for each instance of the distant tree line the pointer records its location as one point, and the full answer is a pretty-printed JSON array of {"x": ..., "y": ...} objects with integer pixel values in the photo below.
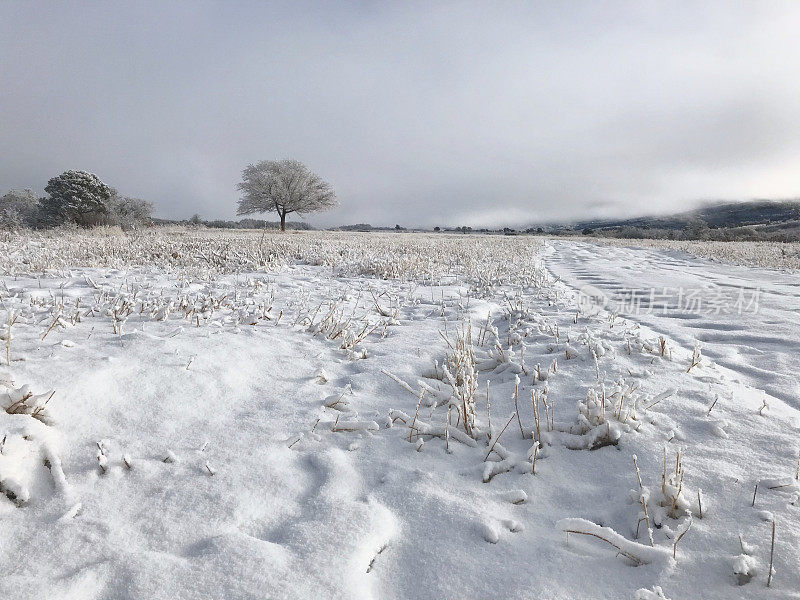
[
  {"x": 74, "y": 197},
  {"x": 255, "y": 224},
  {"x": 695, "y": 229},
  {"x": 698, "y": 229},
  {"x": 357, "y": 227}
]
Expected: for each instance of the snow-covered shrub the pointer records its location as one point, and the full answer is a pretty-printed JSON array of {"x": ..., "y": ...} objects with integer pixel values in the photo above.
[
  {"x": 18, "y": 209},
  {"x": 22, "y": 401},
  {"x": 27, "y": 446}
]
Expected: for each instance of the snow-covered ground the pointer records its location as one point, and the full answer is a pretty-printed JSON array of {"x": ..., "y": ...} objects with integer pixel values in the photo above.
[{"x": 242, "y": 416}]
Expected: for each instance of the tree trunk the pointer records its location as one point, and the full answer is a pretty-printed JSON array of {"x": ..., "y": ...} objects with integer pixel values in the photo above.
[{"x": 283, "y": 221}]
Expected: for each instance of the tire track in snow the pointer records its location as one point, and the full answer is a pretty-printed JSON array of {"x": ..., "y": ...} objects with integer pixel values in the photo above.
[{"x": 733, "y": 340}]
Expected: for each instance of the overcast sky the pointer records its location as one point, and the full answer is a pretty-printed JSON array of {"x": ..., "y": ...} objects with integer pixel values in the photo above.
[{"x": 435, "y": 113}]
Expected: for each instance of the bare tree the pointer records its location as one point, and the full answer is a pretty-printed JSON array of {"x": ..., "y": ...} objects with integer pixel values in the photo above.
[
  {"x": 284, "y": 186},
  {"x": 128, "y": 213}
]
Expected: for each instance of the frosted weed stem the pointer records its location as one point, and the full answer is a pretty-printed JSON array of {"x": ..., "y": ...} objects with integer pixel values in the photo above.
[{"x": 511, "y": 418}]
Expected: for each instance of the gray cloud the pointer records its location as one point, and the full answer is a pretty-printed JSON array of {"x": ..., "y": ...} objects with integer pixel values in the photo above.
[{"x": 429, "y": 113}]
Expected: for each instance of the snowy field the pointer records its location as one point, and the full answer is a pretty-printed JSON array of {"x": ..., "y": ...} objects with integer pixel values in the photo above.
[{"x": 200, "y": 414}]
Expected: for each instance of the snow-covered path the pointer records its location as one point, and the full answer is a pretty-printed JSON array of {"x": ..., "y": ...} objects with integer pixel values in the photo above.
[{"x": 746, "y": 319}]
